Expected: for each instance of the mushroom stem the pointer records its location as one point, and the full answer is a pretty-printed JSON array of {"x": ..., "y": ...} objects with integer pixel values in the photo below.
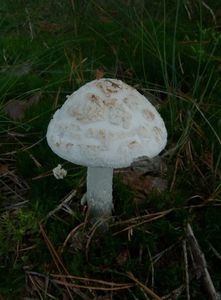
[{"x": 99, "y": 193}]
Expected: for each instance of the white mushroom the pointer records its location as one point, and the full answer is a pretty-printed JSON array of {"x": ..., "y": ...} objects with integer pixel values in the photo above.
[
  {"x": 59, "y": 172},
  {"x": 103, "y": 125}
]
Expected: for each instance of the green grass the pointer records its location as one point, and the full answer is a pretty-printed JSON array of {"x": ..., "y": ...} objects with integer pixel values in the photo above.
[{"x": 171, "y": 50}]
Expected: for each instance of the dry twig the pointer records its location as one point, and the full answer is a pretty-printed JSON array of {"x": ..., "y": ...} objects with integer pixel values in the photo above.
[
  {"x": 107, "y": 286},
  {"x": 150, "y": 293},
  {"x": 66, "y": 200},
  {"x": 186, "y": 265},
  {"x": 140, "y": 220},
  {"x": 201, "y": 263},
  {"x": 175, "y": 294}
]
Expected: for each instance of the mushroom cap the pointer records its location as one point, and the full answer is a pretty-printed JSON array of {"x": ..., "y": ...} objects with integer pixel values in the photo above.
[{"x": 106, "y": 123}]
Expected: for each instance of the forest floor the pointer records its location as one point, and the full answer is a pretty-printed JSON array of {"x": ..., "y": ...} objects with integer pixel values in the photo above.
[{"x": 165, "y": 241}]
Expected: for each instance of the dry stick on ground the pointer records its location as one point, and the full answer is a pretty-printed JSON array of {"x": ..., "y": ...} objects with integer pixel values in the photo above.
[
  {"x": 175, "y": 294},
  {"x": 66, "y": 200},
  {"x": 215, "y": 252},
  {"x": 110, "y": 286},
  {"x": 201, "y": 263},
  {"x": 60, "y": 266},
  {"x": 71, "y": 233},
  {"x": 186, "y": 265},
  {"x": 93, "y": 230},
  {"x": 150, "y": 218},
  {"x": 144, "y": 287}
]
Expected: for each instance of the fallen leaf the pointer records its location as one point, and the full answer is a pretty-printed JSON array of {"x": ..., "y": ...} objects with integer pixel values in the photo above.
[
  {"x": 142, "y": 184},
  {"x": 100, "y": 73},
  {"x": 104, "y": 19},
  {"x": 49, "y": 27},
  {"x": 207, "y": 159},
  {"x": 123, "y": 257},
  {"x": 3, "y": 169},
  {"x": 145, "y": 165},
  {"x": 33, "y": 100},
  {"x": 16, "y": 109}
]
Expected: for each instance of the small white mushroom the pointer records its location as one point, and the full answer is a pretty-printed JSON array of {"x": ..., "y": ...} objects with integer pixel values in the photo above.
[
  {"x": 117, "y": 125},
  {"x": 59, "y": 172}
]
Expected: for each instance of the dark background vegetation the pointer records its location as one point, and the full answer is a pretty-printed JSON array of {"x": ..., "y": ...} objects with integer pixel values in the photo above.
[{"x": 169, "y": 49}]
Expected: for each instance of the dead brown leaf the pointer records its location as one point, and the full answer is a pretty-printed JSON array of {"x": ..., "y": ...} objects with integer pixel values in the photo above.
[
  {"x": 123, "y": 257},
  {"x": 100, "y": 73},
  {"x": 207, "y": 159},
  {"x": 3, "y": 169},
  {"x": 144, "y": 165},
  {"x": 104, "y": 19},
  {"x": 49, "y": 27},
  {"x": 33, "y": 100},
  {"x": 16, "y": 109},
  {"x": 143, "y": 184}
]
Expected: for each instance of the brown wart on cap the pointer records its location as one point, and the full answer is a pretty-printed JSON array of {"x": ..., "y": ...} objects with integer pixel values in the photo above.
[{"x": 117, "y": 126}]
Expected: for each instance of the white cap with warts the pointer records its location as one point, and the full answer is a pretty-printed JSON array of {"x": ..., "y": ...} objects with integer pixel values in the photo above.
[{"x": 106, "y": 123}]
